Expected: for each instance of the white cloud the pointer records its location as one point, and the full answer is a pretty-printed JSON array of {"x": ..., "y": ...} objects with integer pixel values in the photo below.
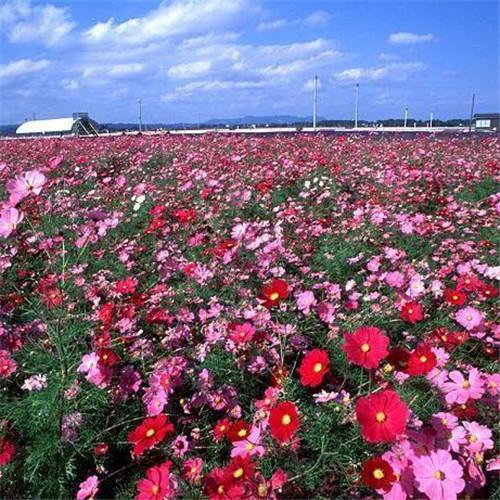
[
  {"x": 300, "y": 65},
  {"x": 391, "y": 72},
  {"x": 181, "y": 17},
  {"x": 316, "y": 19},
  {"x": 23, "y": 22},
  {"x": 405, "y": 38},
  {"x": 309, "y": 85},
  {"x": 388, "y": 57},
  {"x": 22, "y": 67},
  {"x": 271, "y": 25},
  {"x": 189, "y": 70},
  {"x": 113, "y": 70}
]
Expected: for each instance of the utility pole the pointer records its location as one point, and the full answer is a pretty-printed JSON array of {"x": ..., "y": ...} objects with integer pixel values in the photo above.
[
  {"x": 315, "y": 101},
  {"x": 140, "y": 114},
  {"x": 406, "y": 117},
  {"x": 431, "y": 119},
  {"x": 471, "y": 112},
  {"x": 356, "y": 107}
]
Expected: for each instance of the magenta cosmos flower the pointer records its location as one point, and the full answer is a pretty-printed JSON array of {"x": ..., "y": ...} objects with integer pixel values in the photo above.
[
  {"x": 438, "y": 475},
  {"x": 9, "y": 219},
  {"x": 459, "y": 389},
  {"x": 469, "y": 318}
]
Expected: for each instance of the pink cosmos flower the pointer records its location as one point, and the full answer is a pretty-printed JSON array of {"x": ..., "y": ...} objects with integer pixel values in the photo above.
[
  {"x": 459, "y": 390},
  {"x": 438, "y": 475},
  {"x": 87, "y": 488},
  {"x": 469, "y": 317},
  {"x": 9, "y": 219},
  {"x": 395, "y": 279},
  {"x": 7, "y": 364},
  {"x": 305, "y": 301},
  {"x": 21, "y": 187},
  {"x": 251, "y": 445},
  {"x": 478, "y": 437}
]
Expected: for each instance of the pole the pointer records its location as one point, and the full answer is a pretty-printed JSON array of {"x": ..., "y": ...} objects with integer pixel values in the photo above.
[
  {"x": 431, "y": 119},
  {"x": 315, "y": 101},
  {"x": 471, "y": 112},
  {"x": 406, "y": 117},
  {"x": 140, "y": 115},
  {"x": 356, "y": 107}
]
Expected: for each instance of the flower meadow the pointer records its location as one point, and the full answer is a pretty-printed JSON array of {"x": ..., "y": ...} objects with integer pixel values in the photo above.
[{"x": 243, "y": 317}]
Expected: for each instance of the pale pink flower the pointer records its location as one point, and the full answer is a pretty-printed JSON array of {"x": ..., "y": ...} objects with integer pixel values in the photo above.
[
  {"x": 305, "y": 301},
  {"x": 459, "y": 389},
  {"x": 395, "y": 279},
  {"x": 478, "y": 437},
  {"x": 23, "y": 186},
  {"x": 438, "y": 475},
  {"x": 250, "y": 446},
  {"x": 87, "y": 488},
  {"x": 469, "y": 317},
  {"x": 9, "y": 219}
]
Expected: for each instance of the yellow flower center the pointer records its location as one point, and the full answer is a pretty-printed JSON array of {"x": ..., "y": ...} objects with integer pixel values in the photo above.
[
  {"x": 242, "y": 432},
  {"x": 262, "y": 490},
  {"x": 378, "y": 473},
  {"x": 317, "y": 367},
  {"x": 410, "y": 311},
  {"x": 438, "y": 474},
  {"x": 468, "y": 318},
  {"x": 220, "y": 489},
  {"x": 155, "y": 489},
  {"x": 455, "y": 297},
  {"x": 472, "y": 438},
  {"x": 274, "y": 296},
  {"x": 286, "y": 419},
  {"x": 238, "y": 473},
  {"x": 423, "y": 359},
  {"x": 249, "y": 446},
  {"x": 365, "y": 347},
  {"x": 380, "y": 416},
  {"x": 465, "y": 384},
  {"x": 150, "y": 432},
  {"x": 388, "y": 368}
]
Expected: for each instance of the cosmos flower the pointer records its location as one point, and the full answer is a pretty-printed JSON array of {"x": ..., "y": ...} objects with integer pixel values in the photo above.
[
  {"x": 460, "y": 389},
  {"x": 366, "y": 347},
  {"x": 455, "y": 297},
  {"x": 9, "y": 220},
  {"x": 149, "y": 433},
  {"x": 378, "y": 474},
  {"x": 412, "y": 312},
  {"x": 438, "y": 475},
  {"x": 24, "y": 185},
  {"x": 382, "y": 416},
  {"x": 313, "y": 367},
  {"x": 157, "y": 484},
  {"x": 87, "y": 489},
  {"x": 421, "y": 361},
  {"x": 7, "y": 450},
  {"x": 469, "y": 317},
  {"x": 283, "y": 421}
]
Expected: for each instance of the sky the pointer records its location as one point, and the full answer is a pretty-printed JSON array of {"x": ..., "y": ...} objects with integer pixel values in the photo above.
[{"x": 192, "y": 60}]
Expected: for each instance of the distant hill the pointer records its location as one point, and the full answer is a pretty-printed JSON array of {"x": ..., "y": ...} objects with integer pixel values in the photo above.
[{"x": 261, "y": 120}]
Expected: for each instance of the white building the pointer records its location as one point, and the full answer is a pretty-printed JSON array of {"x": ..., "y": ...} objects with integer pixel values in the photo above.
[{"x": 78, "y": 124}]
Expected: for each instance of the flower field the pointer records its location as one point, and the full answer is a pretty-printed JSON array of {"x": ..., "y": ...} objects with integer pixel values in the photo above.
[{"x": 229, "y": 317}]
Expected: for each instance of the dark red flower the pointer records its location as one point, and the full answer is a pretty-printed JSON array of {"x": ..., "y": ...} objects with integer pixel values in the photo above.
[
  {"x": 7, "y": 450},
  {"x": 378, "y": 474},
  {"x": 366, "y": 347},
  {"x": 241, "y": 469},
  {"x": 106, "y": 313},
  {"x": 128, "y": 285},
  {"x": 219, "y": 485},
  {"x": 449, "y": 340},
  {"x": 490, "y": 292},
  {"x": 184, "y": 215},
  {"x": 313, "y": 367},
  {"x": 455, "y": 297},
  {"x": 382, "y": 416},
  {"x": 274, "y": 292},
  {"x": 465, "y": 411},
  {"x": 222, "y": 428},
  {"x": 283, "y": 421},
  {"x": 279, "y": 376},
  {"x": 101, "y": 449},
  {"x": 238, "y": 431},
  {"x": 398, "y": 358},
  {"x": 469, "y": 283},
  {"x": 107, "y": 357},
  {"x": 149, "y": 433},
  {"x": 412, "y": 312},
  {"x": 422, "y": 360},
  {"x": 52, "y": 297}
]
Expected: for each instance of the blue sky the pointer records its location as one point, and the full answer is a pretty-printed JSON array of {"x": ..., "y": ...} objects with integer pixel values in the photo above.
[{"x": 191, "y": 60}]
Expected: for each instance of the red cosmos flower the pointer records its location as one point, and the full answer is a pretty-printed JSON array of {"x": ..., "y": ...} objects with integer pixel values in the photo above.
[
  {"x": 220, "y": 486},
  {"x": 101, "y": 449},
  {"x": 156, "y": 485},
  {"x": 7, "y": 450},
  {"x": 184, "y": 214},
  {"x": 155, "y": 224},
  {"x": 490, "y": 292},
  {"x": 241, "y": 469},
  {"x": 159, "y": 316},
  {"x": 398, "y": 358},
  {"x": 238, "y": 431},
  {"x": 106, "y": 313},
  {"x": 455, "y": 297},
  {"x": 149, "y": 433},
  {"x": 52, "y": 297},
  {"x": 378, "y": 474},
  {"x": 469, "y": 283},
  {"x": 283, "y": 421},
  {"x": 274, "y": 292},
  {"x": 366, "y": 347},
  {"x": 313, "y": 367},
  {"x": 222, "y": 428},
  {"x": 128, "y": 285},
  {"x": 279, "y": 376},
  {"x": 465, "y": 411},
  {"x": 382, "y": 416},
  {"x": 422, "y": 360},
  {"x": 412, "y": 312},
  {"x": 449, "y": 340},
  {"x": 107, "y": 357}
]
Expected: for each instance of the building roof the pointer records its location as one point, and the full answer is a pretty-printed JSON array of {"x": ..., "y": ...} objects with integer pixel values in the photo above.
[
  {"x": 46, "y": 126},
  {"x": 487, "y": 115}
]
